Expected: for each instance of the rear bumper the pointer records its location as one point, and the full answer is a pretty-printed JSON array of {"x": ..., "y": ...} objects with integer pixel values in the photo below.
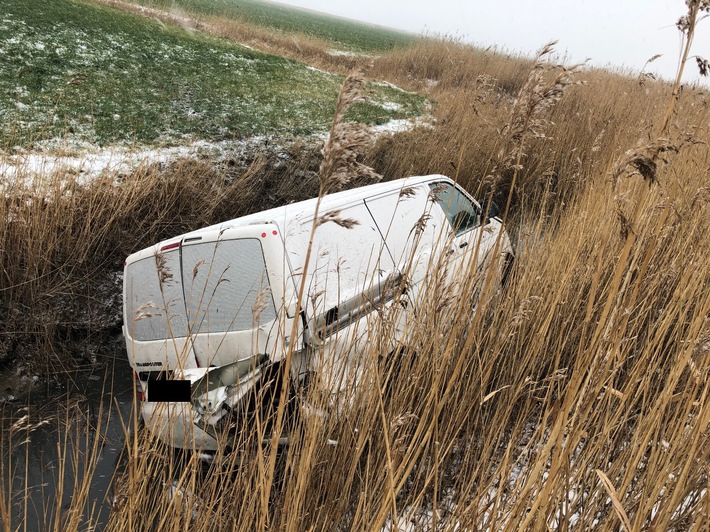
[
  {"x": 196, "y": 424},
  {"x": 177, "y": 424}
]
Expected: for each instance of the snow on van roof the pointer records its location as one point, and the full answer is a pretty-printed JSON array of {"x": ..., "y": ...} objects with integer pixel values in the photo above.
[
  {"x": 303, "y": 209},
  {"x": 337, "y": 199}
]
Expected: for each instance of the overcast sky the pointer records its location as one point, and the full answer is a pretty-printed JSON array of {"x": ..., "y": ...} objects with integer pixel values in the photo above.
[{"x": 623, "y": 33}]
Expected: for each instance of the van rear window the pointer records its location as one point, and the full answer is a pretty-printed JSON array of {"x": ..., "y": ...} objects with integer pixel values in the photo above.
[
  {"x": 226, "y": 286},
  {"x": 154, "y": 289},
  {"x": 210, "y": 287}
]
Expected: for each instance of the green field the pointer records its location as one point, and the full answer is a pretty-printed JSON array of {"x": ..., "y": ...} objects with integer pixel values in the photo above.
[
  {"x": 98, "y": 75},
  {"x": 343, "y": 33}
]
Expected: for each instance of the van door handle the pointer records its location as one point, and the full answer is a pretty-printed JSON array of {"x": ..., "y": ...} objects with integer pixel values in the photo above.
[
  {"x": 331, "y": 316},
  {"x": 463, "y": 244}
]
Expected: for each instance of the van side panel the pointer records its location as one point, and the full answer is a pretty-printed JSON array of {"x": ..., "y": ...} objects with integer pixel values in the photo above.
[
  {"x": 348, "y": 264},
  {"x": 414, "y": 231}
]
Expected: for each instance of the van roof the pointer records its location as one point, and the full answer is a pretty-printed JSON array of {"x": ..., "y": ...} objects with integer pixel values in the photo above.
[{"x": 278, "y": 215}]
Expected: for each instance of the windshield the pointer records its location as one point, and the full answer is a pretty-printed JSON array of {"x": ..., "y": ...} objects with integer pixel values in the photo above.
[
  {"x": 210, "y": 287},
  {"x": 461, "y": 213}
]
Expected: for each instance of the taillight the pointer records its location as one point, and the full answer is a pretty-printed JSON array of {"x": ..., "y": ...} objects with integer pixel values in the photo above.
[{"x": 139, "y": 387}]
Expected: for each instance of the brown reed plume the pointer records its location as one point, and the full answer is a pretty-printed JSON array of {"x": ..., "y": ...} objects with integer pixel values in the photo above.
[
  {"x": 346, "y": 141},
  {"x": 529, "y": 117}
]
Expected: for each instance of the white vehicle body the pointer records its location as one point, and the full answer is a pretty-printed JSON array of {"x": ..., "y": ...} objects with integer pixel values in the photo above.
[{"x": 211, "y": 309}]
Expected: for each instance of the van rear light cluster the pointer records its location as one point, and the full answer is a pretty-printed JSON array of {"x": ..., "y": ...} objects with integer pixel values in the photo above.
[{"x": 140, "y": 394}]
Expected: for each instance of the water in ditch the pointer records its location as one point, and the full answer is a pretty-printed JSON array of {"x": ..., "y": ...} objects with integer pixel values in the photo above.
[{"x": 48, "y": 432}]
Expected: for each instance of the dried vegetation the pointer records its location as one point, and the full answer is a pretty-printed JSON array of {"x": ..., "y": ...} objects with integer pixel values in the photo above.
[{"x": 576, "y": 398}]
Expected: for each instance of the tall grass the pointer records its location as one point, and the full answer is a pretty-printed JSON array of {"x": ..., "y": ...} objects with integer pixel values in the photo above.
[{"x": 574, "y": 398}]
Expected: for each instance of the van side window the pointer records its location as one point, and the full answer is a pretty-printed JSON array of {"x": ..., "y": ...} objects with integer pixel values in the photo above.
[{"x": 461, "y": 213}]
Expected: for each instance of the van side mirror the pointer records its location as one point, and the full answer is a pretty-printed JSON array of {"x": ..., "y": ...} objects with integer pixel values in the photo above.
[{"x": 491, "y": 211}]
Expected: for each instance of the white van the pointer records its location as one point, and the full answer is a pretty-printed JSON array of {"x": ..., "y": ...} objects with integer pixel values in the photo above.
[{"x": 207, "y": 312}]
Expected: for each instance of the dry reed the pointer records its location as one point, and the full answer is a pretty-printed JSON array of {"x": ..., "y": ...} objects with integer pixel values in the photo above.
[{"x": 575, "y": 398}]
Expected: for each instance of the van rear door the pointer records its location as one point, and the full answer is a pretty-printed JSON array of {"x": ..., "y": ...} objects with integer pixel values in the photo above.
[
  {"x": 155, "y": 323},
  {"x": 209, "y": 299},
  {"x": 232, "y": 281}
]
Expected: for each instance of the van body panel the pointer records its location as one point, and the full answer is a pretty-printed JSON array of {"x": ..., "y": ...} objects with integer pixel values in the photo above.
[
  {"x": 208, "y": 301},
  {"x": 412, "y": 229},
  {"x": 178, "y": 424},
  {"x": 345, "y": 259},
  {"x": 348, "y": 259},
  {"x": 228, "y": 293}
]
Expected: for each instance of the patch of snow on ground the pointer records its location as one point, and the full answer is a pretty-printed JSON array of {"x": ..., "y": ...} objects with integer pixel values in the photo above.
[
  {"x": 90, "y": 162},
  {"x": 414, "y": 519},
  {"x": 389, "y": 106},
  {"x": 393, "y": 86},
  {"x": 344, "y": 53},
  {"x": 314, "y": 69},
  {"x": 399, "y": 125},
  {"x": 85, "y": 161}
]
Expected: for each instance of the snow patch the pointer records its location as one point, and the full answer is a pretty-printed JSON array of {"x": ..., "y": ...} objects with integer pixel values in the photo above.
[
  {"x": 399, "y": 125},
  {"x": 314, "y": 69},
  {"x": 83, "y": 162},
  {"x": 392, "y": 86},
  {"x": 89, "y": 162},
  {"x": 345, "y": 53}
]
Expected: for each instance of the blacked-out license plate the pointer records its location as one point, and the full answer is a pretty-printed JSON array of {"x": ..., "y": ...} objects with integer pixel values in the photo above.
[{"x": 168, "y": 391}]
